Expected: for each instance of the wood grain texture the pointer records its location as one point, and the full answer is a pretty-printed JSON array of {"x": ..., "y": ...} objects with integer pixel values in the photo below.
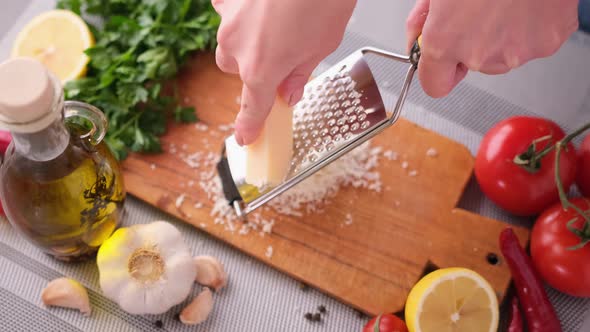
[{"x": 396, "y": 234}]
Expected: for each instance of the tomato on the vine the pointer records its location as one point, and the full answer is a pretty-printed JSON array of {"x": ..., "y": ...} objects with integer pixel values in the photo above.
[
  {"x": 387, "y": 323},
  {"x": 583, "y": 180},
  {"x": 521, "y": 189},
  {"x": 564, "y": 268}
]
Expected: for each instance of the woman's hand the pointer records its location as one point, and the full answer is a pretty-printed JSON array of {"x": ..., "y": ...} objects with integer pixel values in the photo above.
[
  {"x": 274, "y": 46},
  {"x": 491, "y": 37}
]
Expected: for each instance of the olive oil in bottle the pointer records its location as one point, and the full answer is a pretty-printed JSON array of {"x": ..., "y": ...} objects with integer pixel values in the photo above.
[{"x": 61, "y": 187}]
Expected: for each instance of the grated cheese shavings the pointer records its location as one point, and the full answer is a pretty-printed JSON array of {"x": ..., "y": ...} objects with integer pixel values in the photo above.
[
  {"x": 269, "y": 252},
  {"x": 180, "y": 200},
  {"x": 391, "y": 155},
  {"x": 201, "y": 127},
  {"x": 352, "y": 169},
  {"x": 348, "y": 220},
  {"x": 225, "y": 127},
  {"x": 432, "y": 152},
  {"x": 355, "y": 169}
]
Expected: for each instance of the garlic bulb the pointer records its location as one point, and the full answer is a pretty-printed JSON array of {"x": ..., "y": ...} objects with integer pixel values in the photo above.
[{"x": 146, "y": 268}]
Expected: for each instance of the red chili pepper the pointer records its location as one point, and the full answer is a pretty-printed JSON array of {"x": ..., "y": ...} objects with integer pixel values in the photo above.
[
  {"x": 539, "y": 312},
  {"x": 515, "y": 317}
]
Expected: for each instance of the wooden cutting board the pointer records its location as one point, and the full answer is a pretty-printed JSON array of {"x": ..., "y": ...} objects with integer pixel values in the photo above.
[{"x": 396, "y": 235}]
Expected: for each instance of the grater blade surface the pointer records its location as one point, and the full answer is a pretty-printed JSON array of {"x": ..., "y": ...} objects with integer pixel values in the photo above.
[{"x": 340, "y": 109}]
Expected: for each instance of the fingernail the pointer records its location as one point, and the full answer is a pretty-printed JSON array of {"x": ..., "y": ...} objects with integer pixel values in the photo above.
[
  {"x": 295, "y": 96},
  {"x": 239, "y": 139}
]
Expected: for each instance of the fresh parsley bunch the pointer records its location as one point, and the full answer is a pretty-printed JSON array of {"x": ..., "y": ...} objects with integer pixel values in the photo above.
[{"x": 140, "y": 46}]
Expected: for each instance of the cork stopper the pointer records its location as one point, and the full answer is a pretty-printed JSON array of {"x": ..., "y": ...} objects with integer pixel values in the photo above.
[{"x": 27, "y": 93}]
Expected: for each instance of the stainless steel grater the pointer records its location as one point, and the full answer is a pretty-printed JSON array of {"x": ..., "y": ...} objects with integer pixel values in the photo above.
[{"x": 340, "y": 109}]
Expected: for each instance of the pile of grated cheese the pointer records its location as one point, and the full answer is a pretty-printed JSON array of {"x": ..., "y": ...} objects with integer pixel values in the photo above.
[{"x": 356, "y": 169}]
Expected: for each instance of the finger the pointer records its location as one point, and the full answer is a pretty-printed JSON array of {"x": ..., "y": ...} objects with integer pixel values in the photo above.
[
  {"x": 437, "y": 76},
  {"x": 218, "y": 5},
  {"x": 257, "y": 102},
  {"x": 495, "y": 68},
  {"x": 415, "y": 21},
  {"x": 291, "y": 89},
  {"x": 460, "y": 74},
  {"x": 225, "y": 62}
]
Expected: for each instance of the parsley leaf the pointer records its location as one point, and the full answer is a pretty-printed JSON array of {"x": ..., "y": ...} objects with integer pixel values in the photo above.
[
  {"x": 140, "y": 47},
  {"x": 185, "y": 114}
]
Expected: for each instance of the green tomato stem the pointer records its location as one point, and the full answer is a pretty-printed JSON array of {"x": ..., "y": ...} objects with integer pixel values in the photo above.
[
  {"x": 376, "y": 328},
  {"x": 530, "y": 160},
  {"x": 565, "y": 203}
]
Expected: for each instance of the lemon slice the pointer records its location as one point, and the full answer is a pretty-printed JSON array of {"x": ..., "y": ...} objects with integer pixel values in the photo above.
[
  {"x": 56, "y": 38},
  {"x": 452, "y": 300}
]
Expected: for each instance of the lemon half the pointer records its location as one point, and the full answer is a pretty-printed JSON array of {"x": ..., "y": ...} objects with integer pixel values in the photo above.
[
  {"x": 452, "y": 300},
  {"x": 57, "y": 38}
]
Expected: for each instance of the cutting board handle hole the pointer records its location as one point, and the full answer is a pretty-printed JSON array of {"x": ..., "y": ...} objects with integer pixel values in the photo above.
[
  {"x": 493, "y": 259},
  {"x": 430, "y": 267}
]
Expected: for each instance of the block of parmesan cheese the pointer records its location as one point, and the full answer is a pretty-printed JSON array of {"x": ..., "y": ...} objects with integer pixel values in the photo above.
[{"x": 269, "y": 157}]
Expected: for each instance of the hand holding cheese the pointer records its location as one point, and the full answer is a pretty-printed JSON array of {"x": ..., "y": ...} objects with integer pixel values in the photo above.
[
  {"x": 269, "y": 156},
  {"x": 275, "y": 46}
]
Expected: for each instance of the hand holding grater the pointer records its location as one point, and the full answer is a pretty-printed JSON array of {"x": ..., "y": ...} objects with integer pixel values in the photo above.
[{"x": 340, "y": 110}]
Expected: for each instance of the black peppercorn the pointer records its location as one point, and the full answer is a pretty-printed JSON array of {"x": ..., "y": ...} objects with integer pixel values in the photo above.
[
  {"x": 322, "y": 309},
  {"x": 308, "y": 316},
  {"x": 159, "y": 324}
]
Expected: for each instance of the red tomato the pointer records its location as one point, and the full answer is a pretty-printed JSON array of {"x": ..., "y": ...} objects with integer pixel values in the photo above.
[
  {"x": 564, "y": 269},
  {"x": 387, "y": 323},
  {"x": 509, "y": 185},
  {"x": 583, "y": 180}
]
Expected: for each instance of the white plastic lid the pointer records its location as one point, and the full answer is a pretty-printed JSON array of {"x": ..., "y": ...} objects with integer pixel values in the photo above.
[{"x": 27, "y": 95}]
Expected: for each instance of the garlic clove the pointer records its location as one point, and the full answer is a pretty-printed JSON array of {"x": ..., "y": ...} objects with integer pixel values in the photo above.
[
  {"x": 184, "y": 273},
  {"x": 210, "y": 272},
  {"x": 67, "y": 293},
  {"x": 132, "y": 299},
  {"x": 166, "y": 236},
  {"x": 199, "y": 309}
]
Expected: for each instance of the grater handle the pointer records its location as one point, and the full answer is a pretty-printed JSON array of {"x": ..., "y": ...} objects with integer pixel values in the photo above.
[{"x": 413, "y": 58}]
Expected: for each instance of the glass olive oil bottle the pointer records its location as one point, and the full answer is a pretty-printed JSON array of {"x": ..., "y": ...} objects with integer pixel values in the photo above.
[{"x": 60, "y": 186}]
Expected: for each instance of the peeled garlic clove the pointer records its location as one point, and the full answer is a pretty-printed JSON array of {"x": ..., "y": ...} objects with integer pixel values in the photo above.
[
  {"x": 67, "y": 293},
  {"x": 199, "y": 309},
  {"x": 210, "y": 272}
]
